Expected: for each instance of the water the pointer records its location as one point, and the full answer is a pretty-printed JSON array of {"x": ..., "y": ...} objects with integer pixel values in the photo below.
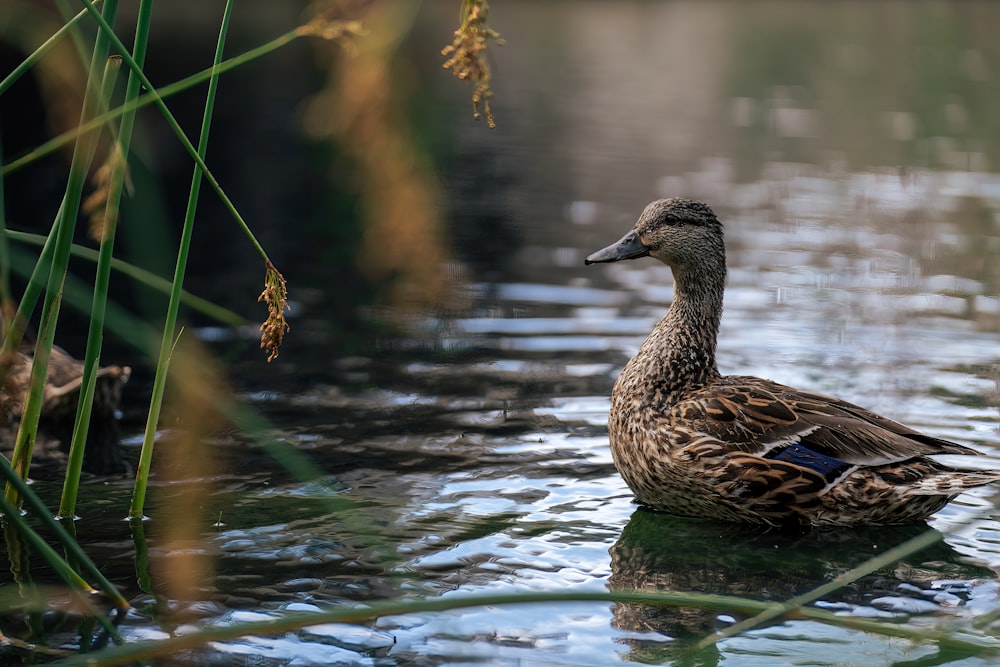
[
  {"x": 470, "y": 455},
  {"x": 480, "y": 464}
]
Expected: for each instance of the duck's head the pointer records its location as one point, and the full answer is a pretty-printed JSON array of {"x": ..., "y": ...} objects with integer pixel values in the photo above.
[{"x": 678, "y": 232}]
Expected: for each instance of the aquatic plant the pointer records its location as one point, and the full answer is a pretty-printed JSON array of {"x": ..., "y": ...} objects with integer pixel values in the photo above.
[
  {"x": 275, "y": 295},
  {"x": 467, "y": 55},
  {"x": 390, "y": 167},
  {"x": 104, "y": 123}
]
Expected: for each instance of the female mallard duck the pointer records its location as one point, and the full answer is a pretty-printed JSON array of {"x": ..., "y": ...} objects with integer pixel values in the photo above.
[
  {"x": 62, "y": 393},
  {"x": 690, "y": 441}
]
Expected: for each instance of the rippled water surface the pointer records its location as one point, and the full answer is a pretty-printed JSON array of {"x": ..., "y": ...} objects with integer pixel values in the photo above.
[
  {"x": 471, "y": 454},
  {"x": 475, "y": 459}
]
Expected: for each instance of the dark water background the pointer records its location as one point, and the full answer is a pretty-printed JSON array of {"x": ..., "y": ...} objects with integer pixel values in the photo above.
[{"x": 852, "y": 151}]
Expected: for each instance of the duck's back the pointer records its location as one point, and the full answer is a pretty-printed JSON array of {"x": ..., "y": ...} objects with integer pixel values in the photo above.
[{"x": 747, "y": 449}]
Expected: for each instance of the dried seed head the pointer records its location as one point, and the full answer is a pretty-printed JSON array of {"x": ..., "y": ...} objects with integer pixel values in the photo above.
[
  {"x": 468, "y": 55},
  {"x": 275, "y": 295},
  {"x": 98, "y": 205},
  {"x": 343, "y": 32}
]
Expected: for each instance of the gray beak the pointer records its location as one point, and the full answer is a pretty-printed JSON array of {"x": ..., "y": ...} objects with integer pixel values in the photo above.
[{"x": 627, "y": 247}]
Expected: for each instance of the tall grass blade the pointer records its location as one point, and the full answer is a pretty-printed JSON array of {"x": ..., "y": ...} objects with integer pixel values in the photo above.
[
  {"x": 196, "y": 303},
  {"x": 37, "y": 54},
  {"x": 175, "y": 126},
  {"x": 82, "y": 156},
  {"x": 62, "y": 568},
  {"x": 78, "y": 295},
  {"x": 779, "y": 609},
  {"x": 170, "y": 326},
  {"x": 142, "y": 578},
  {"x": 95, "y": 337},
  {"x": 975, "y": 645},
  {"x": 80, "y": 588},
  {"x": 44, "y": 515},
  {"x": 54, "y": 144}
]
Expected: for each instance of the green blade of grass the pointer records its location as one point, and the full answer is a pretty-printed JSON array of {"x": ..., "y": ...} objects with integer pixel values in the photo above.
[
  {"x": 170, "y": 326},
  {"x": 82, "y": 156},
  {"x": 78, "y": 295},
  {"x": 37, "y": 54},
  {"x": 80, "y": 588},
  {"x": 95, "y": 335},
  {"x": 39, "y": 509},
  {"x": 976, "y": 645},
  {"x": 77, "y": 38},
  {"x": 778, "y": 609},
  {"x": 62, "y": 569},
  {"x": 78, "y": 441},
  {"x": 140, "y": 275},
  {"x": 179, "y": 132},
  {"x": 186, "y": 83}
]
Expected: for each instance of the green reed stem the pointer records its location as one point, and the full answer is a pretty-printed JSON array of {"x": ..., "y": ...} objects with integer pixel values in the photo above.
[
  {"x": 62, "y": 569},
  {"x": 38, "y": 508},
  {"x": 77, "y": 38},
  {"x": 142, "y": 276},
  {"x": 95, "y": 336},
  {"x": 779, "y": 609},
  {"x": 170, "y": 326},
  {"x": 37, "y": 54},
  {"x": 65, "y": 223},
  {"x": 79, "y": 294},
  {"x": 78, "y": 441},
  {"x": 12, "y": 337},
  {"x": 142, "y": 578},
  {"x": 54, "y": 144},
  {"x": 175, "y": 126},
  {"x": 291, "y": 622}
]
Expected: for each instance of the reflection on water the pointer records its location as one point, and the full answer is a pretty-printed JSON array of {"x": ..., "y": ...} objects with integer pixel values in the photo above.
[
  {"x": 718, "y": 558},
  {"x": 851, "y": 154}
]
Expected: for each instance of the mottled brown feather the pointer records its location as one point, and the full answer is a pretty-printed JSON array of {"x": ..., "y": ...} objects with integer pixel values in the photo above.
[{"x": 689, "y": 441}]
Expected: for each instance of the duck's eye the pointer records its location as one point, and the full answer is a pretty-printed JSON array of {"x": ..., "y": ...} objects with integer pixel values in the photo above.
[{"x": 672, "y": 219}]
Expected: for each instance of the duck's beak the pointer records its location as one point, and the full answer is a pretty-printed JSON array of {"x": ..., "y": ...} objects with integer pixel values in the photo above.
[{"x": 627, "y": 247}]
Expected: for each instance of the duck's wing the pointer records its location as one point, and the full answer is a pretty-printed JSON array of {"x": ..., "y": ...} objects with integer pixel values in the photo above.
[{"x": 767, "y": 419}]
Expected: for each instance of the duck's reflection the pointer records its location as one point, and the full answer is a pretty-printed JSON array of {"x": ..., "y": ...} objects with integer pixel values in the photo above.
[{"x": 662, "y": 552}]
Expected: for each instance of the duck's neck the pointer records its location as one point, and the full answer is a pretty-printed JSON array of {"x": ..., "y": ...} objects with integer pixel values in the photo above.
[{"x": 679, "y": 354}]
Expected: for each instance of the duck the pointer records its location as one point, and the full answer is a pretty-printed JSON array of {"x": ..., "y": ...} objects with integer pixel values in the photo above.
[
  {"x": 63, "y": 384},
  {"x": 693, "y": 442}
]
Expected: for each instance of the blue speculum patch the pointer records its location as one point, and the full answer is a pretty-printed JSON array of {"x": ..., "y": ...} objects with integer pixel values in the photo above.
[{"x": 827, "y": 466}]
